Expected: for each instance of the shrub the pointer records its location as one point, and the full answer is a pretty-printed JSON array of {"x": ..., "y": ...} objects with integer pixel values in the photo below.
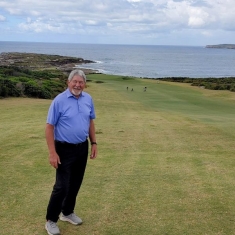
[{"x": 4, "y": 91}]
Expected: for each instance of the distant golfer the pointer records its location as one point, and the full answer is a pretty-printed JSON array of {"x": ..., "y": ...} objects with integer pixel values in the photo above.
[
  {"x": 69, "y": 124},
  {"x": 132, "y": 89},
  {"x": 127, "y": 88}
]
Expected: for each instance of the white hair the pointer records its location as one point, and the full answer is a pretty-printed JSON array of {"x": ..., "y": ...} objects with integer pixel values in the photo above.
[{"x": 77, "y": 72}]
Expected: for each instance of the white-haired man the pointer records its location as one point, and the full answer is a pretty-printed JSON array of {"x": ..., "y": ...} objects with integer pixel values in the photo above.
[{"x": 70, "y": 122}]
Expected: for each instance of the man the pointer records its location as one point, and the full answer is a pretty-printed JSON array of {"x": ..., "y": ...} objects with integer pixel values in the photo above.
[{"x": 69, "y": 124}]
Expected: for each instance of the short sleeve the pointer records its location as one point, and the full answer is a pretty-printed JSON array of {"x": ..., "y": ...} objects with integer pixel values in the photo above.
[
  {"x": 92, "y": 114},
  {"x": 53, "y": 113}
]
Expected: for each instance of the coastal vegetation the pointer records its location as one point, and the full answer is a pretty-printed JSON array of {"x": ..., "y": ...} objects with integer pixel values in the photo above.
[
  {"x": 225, "y": 83},
  {"x": 165, "y": 164},
  {"x": 44, "y": 76},
  {"x": 35, "y": 75},
  {"x": 15, "y": 82}
]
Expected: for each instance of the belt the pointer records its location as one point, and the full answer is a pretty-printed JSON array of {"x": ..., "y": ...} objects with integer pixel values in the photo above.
[{"x": 69, "y": 144}]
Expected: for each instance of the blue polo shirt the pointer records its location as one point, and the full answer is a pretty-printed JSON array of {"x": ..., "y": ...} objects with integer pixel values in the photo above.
[{"x": 71, "y": 116}]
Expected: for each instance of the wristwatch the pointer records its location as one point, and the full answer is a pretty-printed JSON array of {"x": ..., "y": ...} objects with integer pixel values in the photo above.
[{"x": 93, "y": 143}]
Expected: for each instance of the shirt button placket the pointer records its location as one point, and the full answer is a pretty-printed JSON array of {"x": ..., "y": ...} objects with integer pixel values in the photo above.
[{"x": 78, "y": 105}]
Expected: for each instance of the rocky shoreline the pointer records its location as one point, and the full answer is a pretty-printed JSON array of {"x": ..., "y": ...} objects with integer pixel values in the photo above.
[{"x": 35, "y": 61}]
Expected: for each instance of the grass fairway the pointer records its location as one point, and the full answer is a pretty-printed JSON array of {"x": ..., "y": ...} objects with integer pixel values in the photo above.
[{"x": 165, "y": 165}]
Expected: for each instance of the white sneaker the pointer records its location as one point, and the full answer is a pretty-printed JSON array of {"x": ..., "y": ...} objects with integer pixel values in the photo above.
[
  {"x": 52, "y": 228},
  {"x": 72, "y": 218}
]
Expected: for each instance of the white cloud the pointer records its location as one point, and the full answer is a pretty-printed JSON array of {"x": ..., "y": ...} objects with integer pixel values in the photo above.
[
  {"x": 196, "y": 21},
  {"x": 28, "y": 20},
  {"x": 133, "y": 0},
  {"x": 39, "y": 26},
  {"x": 91, "y": 22},
  {"x": 198, "y": 17},
  {"x": 206, "y": 33},
  {"x": 142, "y": 18},
  {"x": 2, "y": 18}
]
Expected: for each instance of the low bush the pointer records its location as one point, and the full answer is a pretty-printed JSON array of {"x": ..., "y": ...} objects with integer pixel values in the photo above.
[{"x": 16, "y": 82}]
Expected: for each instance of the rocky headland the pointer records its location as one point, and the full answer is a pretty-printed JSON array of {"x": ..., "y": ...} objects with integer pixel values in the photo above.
[
  {"x": 36, "y": 75},
  {"x": 222, "y": 46},
  {"x": 33, "y": 61}
]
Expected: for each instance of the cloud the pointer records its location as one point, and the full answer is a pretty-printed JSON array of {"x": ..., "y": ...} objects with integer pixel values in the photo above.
[
  {"x": 198, "y": 17},
  {"x": 2, "y": 18},
  {"x": 39, "y": 26},
  {"x": 130, "y": 18}
]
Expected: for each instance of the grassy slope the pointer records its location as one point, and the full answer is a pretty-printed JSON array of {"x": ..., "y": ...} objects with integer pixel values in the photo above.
[{"x": 165, "y": 165}]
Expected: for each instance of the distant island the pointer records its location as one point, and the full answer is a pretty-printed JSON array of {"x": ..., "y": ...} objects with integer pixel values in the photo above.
[{"x": 222, "y": 46}]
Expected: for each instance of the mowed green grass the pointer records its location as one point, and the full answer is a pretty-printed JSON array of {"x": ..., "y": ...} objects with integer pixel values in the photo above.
[{"x": 165, "y": 164}]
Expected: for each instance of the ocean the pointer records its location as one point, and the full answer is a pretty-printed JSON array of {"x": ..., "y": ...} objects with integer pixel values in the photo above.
[{"x": 140, "y": 61}]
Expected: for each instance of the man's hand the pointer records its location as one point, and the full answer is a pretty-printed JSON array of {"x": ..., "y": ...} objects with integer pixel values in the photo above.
[
  {"x": 54, "y": 160},
  {"x": 94, "y": 151}
]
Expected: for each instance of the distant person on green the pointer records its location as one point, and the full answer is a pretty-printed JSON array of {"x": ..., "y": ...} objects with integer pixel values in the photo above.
[{"x": 70, "y": 122}]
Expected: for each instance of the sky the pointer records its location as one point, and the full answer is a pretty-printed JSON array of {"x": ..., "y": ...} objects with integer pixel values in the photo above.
[{"x": 137, "y": 22}]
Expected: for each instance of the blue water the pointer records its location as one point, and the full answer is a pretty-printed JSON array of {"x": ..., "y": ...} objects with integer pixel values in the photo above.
[{"x": 140, "y": 61}]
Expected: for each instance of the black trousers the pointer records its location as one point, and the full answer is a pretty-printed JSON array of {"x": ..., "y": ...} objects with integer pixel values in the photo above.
[{"x": 69, "y": 176}]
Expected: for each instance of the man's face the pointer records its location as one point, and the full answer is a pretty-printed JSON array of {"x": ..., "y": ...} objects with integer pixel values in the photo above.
[{"x": 76, "y": 85}]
